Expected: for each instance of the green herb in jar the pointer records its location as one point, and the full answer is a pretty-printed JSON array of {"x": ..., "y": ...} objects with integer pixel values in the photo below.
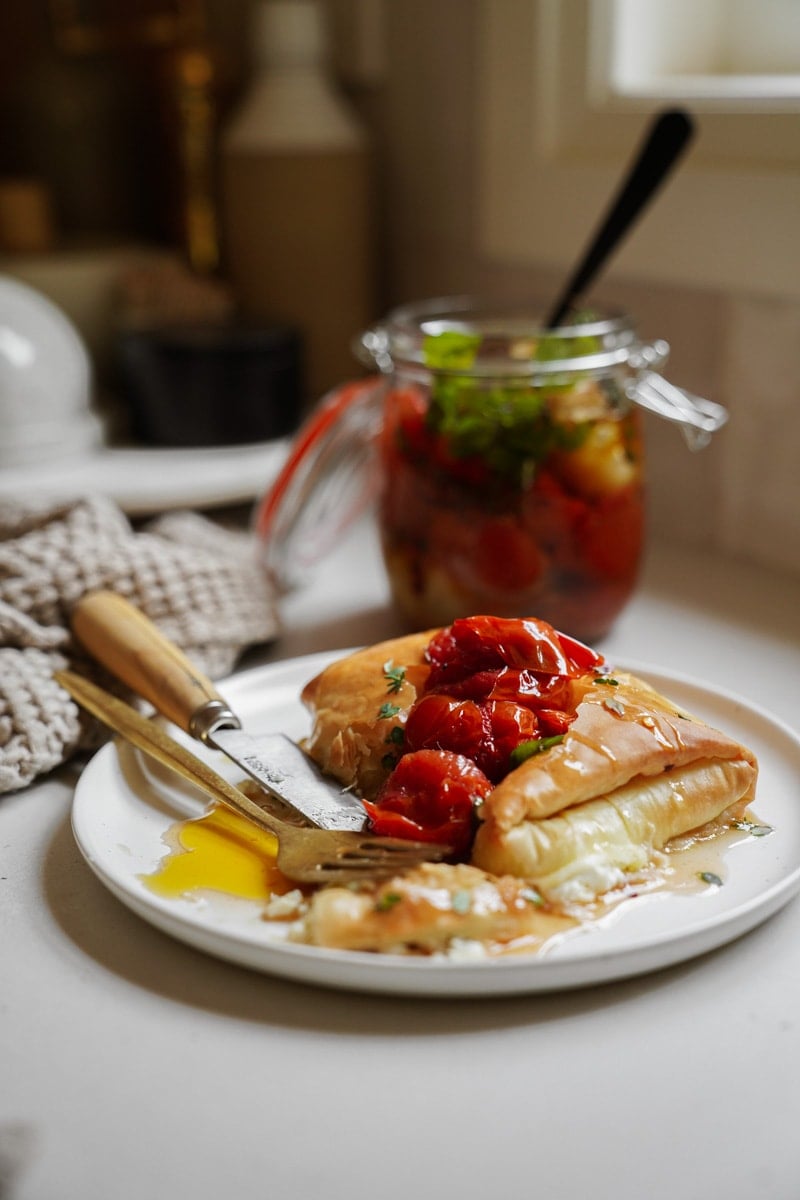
[{"x": 508, "y": 426}]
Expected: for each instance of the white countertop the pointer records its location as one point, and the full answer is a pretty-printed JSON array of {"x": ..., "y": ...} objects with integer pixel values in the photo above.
[{"x": 133, "y": 1067}]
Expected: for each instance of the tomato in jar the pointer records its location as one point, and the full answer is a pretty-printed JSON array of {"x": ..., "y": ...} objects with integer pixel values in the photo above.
[{"x": 511, "y": 495}]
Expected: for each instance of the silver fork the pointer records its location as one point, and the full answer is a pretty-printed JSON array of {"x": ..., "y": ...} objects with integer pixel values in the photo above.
[{"x": 304, "y": 855}]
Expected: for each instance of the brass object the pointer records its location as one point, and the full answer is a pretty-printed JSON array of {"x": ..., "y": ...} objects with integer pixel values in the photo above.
[{"x": 305, "y": 855}]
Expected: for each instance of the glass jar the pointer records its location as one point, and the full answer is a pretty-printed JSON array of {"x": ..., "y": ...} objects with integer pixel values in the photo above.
[{"x": 511, "y": 466}]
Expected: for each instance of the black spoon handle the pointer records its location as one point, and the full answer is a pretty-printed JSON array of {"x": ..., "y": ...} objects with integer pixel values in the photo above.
[{"x": 668, "y": 137}]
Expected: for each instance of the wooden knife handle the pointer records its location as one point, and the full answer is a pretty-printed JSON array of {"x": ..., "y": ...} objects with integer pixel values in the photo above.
[{"x": 129, "y": 645}]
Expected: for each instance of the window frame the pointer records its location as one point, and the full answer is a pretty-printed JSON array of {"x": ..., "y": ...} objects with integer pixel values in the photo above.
[{"x": 555, "y": 138}]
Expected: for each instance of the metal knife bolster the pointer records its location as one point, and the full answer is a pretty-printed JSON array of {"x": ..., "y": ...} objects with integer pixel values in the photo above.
[
  {"x": 211, "y": 716},
  {"x": 284, "y": 770}
]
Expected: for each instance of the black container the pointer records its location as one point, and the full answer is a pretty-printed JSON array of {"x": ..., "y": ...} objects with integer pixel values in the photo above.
[{"x": 211, "y": 385}]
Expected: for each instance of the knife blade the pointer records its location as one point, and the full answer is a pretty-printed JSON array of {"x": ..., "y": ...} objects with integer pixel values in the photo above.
[
  {"x": 133, "y": 649},
  {"x": 284, "y": 770}
]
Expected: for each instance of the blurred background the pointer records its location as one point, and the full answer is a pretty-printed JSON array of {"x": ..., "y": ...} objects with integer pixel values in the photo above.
[{"x": 166, "y": 164}]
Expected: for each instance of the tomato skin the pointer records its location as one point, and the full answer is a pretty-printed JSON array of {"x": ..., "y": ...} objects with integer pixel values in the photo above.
[
  {"x": 486, "y": 733},
  {"x": 612, "y": 535},
  {"x": 509, "y": 725},
  {"x": 437, "y": 722},
  {"x": 404, "y": 431},
  {"x": 553, "y": 721},
  {"x": 530, "y": 688},
  {"x": 407, "y": 435},
  {"x": 430, "y": 796},
  {"x": 584, "y": 658},
  {"x": 473, "y": 644}
]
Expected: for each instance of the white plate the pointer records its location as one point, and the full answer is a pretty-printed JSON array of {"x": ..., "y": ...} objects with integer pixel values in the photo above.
[
  {"x": 123, "y": 808},
  {"x": 151, "y": 480}
]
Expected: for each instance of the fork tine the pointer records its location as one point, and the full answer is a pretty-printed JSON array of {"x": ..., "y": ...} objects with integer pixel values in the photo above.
[
  {"x": 391, "y": 857},
  {"x": 355, "y": 864},
  {"x": 401, "y": 847},
  {"x": 342, "y": 872}
]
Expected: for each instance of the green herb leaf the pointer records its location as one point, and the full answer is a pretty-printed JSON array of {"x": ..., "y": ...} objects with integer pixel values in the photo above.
[
  {"x": 388, "y": 710},
  {"x": 526, "y": 750},
  {"x": 709, "y": 877},
  {"x": 607, "y": 680},
  {"x": 461, "y": 901},
  {"x": 394, "y": 676},
  {"x": 396, "y": 736},
  {"x": 753, "y": 829},
  {"x": 389, "y": 762},
  {"x": 387, "y": 900}
]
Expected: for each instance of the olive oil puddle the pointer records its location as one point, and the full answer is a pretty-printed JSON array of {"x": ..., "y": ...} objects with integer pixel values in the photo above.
[{"x": 219, "y": 853}]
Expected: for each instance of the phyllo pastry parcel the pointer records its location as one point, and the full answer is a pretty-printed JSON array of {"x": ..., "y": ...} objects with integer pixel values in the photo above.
[{"x": 527, "y": 754}]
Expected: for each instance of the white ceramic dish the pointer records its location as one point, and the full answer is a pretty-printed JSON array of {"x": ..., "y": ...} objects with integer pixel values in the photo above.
[
  {"x": 44, "y": 380},
  {"x": 123, "y": 807},
  {"x": 145, "y": 481}
]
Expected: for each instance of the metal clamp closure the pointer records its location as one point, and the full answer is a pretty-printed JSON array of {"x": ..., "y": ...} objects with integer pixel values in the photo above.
[{"x": 697, "y": 418}]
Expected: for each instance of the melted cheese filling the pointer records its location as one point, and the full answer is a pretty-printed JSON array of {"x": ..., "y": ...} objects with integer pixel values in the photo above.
[{"x": 598, "y": 845}]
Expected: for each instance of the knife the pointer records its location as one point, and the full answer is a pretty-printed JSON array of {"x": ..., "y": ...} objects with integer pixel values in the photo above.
[{"x": 134, "y": 650}]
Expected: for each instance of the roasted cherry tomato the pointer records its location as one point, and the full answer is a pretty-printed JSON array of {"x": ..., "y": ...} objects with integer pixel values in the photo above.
[
  {"x": 509, "y": 724},
  {"x": 473, "y": 644},
  {"x": 530, "y": 688},
  {"x": 438, "y": 722},
  {"x": 430, "y": 796},
  {"x": 485, "y": 733},
  {"x": 612, "y": 535}
]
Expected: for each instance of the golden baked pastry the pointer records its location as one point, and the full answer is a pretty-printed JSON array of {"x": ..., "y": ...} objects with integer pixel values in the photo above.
[
  {"x": 348, "y": 738},
  {"x": 575, "y": 813},
  {"x": 424, "y": 910},
  {"x": 632, "y": 773}
]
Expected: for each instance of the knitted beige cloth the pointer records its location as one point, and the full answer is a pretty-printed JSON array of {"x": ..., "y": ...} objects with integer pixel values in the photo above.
[{"x": 199, "y": 583}]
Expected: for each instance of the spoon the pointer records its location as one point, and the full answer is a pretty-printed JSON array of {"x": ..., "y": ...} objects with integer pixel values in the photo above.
[{"x": 667, "y": 138}]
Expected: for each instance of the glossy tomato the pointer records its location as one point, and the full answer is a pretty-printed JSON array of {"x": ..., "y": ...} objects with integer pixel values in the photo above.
[
  {"x": 479, "y": 643},
  {"x": 486, "y": 732},
  {"x": 430, "y": 795},
  {"x": 439, "y": 722}
]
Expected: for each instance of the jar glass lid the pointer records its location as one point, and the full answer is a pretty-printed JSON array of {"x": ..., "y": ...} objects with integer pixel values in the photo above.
[{"x": 504, "y": 340}]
